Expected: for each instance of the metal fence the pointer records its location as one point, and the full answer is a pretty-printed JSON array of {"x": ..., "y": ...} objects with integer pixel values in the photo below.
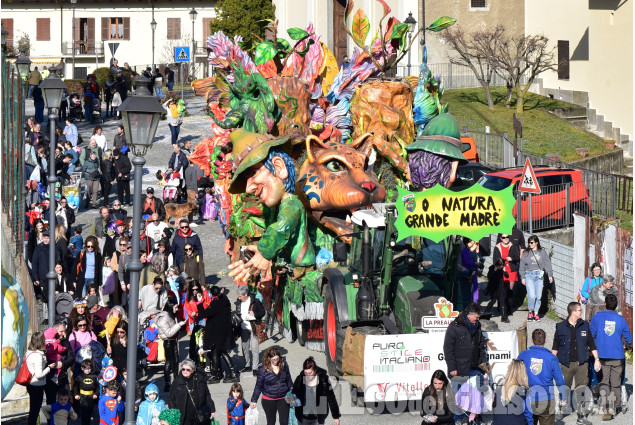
[
  {"x": 452, "y": 76},
  {"x": 494, "y": 150},
  {"x": 553, "y": 208},
  {"x": 13, "y": 153},
  {"x": 603, "y": 187}
]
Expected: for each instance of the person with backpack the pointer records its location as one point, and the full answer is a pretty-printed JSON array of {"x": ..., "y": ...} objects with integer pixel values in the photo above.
[{"x": 35, "y": 359}]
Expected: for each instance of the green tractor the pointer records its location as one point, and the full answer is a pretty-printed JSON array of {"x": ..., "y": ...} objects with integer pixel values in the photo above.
[{"x": 382, "y": 285}]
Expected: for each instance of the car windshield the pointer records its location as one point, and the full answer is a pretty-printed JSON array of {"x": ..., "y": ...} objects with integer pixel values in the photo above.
[{"x": 494, "y": 182}]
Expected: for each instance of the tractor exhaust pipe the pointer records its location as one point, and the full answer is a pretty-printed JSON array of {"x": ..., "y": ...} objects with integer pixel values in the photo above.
[{"x": 363, "y": 299}]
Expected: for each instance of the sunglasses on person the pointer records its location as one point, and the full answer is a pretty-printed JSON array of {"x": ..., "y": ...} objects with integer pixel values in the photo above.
[
  {"x": 186, "y": 369},
  {"x": 184, "y": 227},
  {"x": 81, "y": 325},
  {"x": 89, "y": 246},
  {"x": 531, "y": 242},
  {"x": 116, "y": 205},
  {"x": 188, "y": 249},
  {"x": 121, "y": 332},
  {"x": 504, "y": 237}
]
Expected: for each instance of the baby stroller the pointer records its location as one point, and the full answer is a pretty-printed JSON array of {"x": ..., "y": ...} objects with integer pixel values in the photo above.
[
  {"x": 171, "y": 182},
  {"x": 75, "y": 106},
  {"x": 151, "y": 342},
  {"x": 95, "y": 105}
]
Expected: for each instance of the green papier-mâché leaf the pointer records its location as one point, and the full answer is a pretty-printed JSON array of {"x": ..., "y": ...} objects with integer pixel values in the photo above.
[
  {"x": 297, "y": 33},
  {"x": 361, "y": 27},
  {"x": 265, "y": 51},
  {"x": 442, "y": 23},
  {"x": 399, "y": 30}
]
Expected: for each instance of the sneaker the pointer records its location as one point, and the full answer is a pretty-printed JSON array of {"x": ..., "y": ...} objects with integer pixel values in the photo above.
[
  {"x": 505, "y": 320},
  {"x": 245, "y": 369},
  {"x": 583, "y": 421},
  {"x": 536, "y": 318},
  {"x": 530, "y": 316}
]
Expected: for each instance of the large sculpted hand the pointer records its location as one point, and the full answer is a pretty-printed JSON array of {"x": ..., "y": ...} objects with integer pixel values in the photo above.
[{"x": 258, "y": 264}]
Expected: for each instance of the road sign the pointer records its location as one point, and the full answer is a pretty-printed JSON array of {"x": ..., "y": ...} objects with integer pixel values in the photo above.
[
  {"x": 529, "y": 183},
  {"x": 182, "y": 54}
]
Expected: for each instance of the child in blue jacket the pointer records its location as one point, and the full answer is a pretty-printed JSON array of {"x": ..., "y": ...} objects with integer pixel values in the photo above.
[
  {"x": 110, "y": 404},
  {"x": 151, "y": 407},
  {"x": 236, "y": 405}
]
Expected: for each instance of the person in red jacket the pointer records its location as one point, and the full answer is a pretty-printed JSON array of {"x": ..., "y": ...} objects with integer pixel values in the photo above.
[{"x": 191, "y": 306}]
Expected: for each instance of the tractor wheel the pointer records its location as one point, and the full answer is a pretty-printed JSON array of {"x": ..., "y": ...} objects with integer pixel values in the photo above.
[{"x": 333, "y": 334}]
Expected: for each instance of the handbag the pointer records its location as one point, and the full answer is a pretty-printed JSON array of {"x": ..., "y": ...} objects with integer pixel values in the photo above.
[
  {"x": 160, "y": 351},
  {"x": 259, "y": 329},
  {"x": 236, "y": 320},
  {"x": 580, "y": 297},
  {"x": 24, "y": 374}
]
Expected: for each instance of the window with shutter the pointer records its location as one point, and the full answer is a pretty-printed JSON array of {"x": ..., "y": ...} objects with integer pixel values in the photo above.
[
  {"x": 126, "y": 28},
  {"x": 105, "y": 26},
  {"x": 174, "y": 28},
  {"x": 116, "y": 29},
  {"x": 206, "y": 30},
  {"x": 43, "y": 29},
  {"x": 563, "y": 59},
  {"x": 8, "y": 25}
]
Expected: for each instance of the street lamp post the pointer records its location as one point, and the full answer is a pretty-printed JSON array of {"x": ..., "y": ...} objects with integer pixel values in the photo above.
[
  {"x": 193, "y": 15},
  {"x": 73, "y": 2},
  {"x": 52, "y": 90},
  {"x": 23, "y": 63},
  {"x": 153, "y": 25},
  {"x": 411, "y": 27},
  {"x": 141, "y": 114}
]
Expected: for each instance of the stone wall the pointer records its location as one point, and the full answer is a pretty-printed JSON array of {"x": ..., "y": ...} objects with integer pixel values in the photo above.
[{"x": 610, "y": 162}]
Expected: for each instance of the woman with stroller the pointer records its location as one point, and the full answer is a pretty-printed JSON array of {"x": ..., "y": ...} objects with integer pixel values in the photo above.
[{"x": 169, "y": 328}]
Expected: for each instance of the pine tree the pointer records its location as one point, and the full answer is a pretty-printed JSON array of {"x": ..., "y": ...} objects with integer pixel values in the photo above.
[{"x": 243, "y": 17}]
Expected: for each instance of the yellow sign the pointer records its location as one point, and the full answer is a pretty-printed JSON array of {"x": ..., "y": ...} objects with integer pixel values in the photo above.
[{"x": 439, "y": 212}]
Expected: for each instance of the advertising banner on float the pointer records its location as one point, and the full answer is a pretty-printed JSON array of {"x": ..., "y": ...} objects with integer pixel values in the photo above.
[{"x": 399, "y": 367}]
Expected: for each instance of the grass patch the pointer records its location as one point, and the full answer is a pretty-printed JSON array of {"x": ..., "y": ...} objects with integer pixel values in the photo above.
[
  {"x": 544, "y": 133},
  {"x": 626, "y": 220}
]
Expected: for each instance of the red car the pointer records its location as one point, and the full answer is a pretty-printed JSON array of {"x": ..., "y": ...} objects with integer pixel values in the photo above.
[{"x": 558, "y": 186}]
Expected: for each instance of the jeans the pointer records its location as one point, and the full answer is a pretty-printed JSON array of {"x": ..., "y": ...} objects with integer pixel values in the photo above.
[
  {"x": 170, "y": 85},
  {"x": 534, "y": 283},
  {"x": 175, "y": 129},
  {"x": 158, "y": 91},
  {"x": 88, "y": 112}
]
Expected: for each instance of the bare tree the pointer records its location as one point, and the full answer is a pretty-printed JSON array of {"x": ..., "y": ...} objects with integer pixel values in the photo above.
[
  {"x": 476, "y": 50},
  {"x": 520, "y": 55}
]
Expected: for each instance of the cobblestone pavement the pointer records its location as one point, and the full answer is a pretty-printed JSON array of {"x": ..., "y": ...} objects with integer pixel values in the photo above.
[{"x": 196, "y": 126}]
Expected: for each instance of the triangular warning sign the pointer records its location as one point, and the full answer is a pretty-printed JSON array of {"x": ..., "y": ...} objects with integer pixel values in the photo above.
[
  {"x": 182, "y": 55},
  {"x": 528, "y": 182}
]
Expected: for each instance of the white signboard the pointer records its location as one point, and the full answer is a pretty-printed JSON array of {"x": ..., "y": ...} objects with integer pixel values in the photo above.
[{"x": 399, "y": 367}]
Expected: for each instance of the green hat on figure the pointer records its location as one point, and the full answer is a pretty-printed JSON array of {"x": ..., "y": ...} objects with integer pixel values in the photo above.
[
  {"x": 442, "y": 137},
  {"x": 171, "y": 416},
  {"x": 249, "y": 149}
]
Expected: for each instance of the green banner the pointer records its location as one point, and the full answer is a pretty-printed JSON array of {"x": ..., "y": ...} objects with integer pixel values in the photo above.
[{"x": 439, "y": 212}]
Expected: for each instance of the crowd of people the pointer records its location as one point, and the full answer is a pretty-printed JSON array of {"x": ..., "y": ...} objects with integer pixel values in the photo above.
[{"x": 92, "y": 290}]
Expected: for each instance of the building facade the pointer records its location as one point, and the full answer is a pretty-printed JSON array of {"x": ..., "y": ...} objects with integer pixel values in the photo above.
[
  {"x": 594, "y": 46},
  {"x": 103, "y": 30}
]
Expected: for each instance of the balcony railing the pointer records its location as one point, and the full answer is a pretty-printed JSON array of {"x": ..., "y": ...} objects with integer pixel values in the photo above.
[{"x": 83, "y": 48}]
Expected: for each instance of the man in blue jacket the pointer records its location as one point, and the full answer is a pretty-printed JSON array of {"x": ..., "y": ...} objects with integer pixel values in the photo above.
[
  {"x": 572, "y": 344},
  {"x": 608, "y": 329},
  {"x": 543, "y": 368}
]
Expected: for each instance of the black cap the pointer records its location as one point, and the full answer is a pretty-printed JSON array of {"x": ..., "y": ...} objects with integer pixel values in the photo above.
[
  {"x": 116, "y": 152},
  {"x": 46, "y": 233},
  {"x": 150, "y": 190}
]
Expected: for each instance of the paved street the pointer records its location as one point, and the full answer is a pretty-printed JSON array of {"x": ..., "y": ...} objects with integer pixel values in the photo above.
[{"x": 195, "y": 127}]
